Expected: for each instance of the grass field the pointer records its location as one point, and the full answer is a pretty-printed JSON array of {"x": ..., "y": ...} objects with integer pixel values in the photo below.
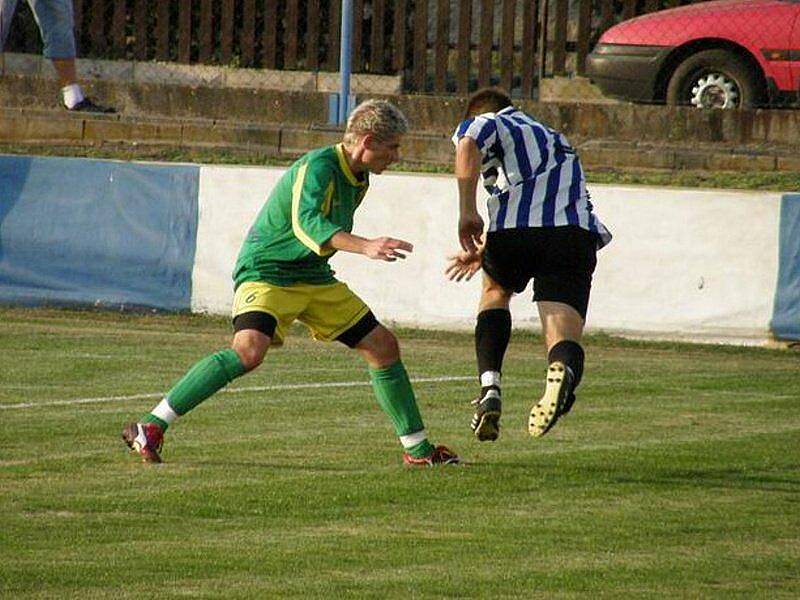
[{"x": 676, "y": 475}]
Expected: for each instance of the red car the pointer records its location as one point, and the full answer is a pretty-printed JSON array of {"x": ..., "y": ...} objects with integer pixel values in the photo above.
[{"x": 718, "y": 54}]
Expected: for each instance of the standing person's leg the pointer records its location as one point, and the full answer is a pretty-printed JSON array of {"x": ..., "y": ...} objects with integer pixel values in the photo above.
[
  {"x": 394, "y": 393},
  {"x": 261, "y": 313},
  {"x": 57, "y": 24},
  {"x": 562, "y": 327},
  {"x": 209, "y": 375},
  {"x": 492, "y": 334},
  {"x": 7, "y": 10},
  {"x": 336, "y": 313},
  {"x": 562, "y": 297}
]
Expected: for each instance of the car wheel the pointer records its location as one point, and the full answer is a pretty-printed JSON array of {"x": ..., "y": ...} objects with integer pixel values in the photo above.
[{"x": 715, "y": 79}]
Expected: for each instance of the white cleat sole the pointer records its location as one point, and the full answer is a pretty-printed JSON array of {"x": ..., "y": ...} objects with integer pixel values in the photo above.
[{"x": 545, "y": 413}]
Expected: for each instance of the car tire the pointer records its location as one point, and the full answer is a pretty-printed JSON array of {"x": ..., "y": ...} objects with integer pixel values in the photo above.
[{"x": 715, "y": 79}]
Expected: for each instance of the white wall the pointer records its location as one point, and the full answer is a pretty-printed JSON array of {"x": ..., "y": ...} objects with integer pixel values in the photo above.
[{"x": 692, "y": 261}]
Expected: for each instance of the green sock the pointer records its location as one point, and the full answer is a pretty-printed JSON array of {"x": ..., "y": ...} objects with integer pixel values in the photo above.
[
  {"x": 207, "y": 376},
  {"x": 396, "y": 398}
]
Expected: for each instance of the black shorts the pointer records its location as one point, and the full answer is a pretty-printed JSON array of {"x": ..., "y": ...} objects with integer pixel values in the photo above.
[{"x": 560, "y": 260}]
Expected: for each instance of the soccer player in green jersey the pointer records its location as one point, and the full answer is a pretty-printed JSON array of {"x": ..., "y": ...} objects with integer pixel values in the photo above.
[{"x": 282, "y": 275}]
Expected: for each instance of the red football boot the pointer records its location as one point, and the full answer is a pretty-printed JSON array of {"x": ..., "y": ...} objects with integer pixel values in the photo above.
[
  {"x": 441, "y": 455},
  {"x": 144, "y": 438}
]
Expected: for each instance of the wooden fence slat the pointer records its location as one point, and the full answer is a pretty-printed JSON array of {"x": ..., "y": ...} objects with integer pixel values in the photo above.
[
  {"x": 140, "y": 30},
  {"x": 628, "y": 9},
  {"x": 162, "y": 31},
  {"x": 485, "y": 48},
  {"x": 358, "y": 38},
  {"x": 652, "y": 5},
  {"x": 507, "y": 44},
  {"x": 97, "y": 27},
  {"x": 185, "y": 31},
  {"x": 544, "y": 15},
  {"x": 399, "y": 36},
  {"x": 464, "y": 49},
  {"x": 291, "y": 34},
  {"x": 584, "y": 34},
  {"x": 118, "y": 30},
  {"x": 312, "y": 35},
  {"x": 226, "y": 31},
  {"x": 247, "y": 36},
  {"x": 606, "y": 14},
  {"x": 206, "y": 49},
  {"x": 270, "y": 34},
  {"x": 420, "y": 43},
  {"x": 334, "y": 20},
  {"x": 377, "y": 43},
  {"x": 530, "y": 14},
  {"x": 442, "y": 45},
  {"x": 77, "y": 16},
  {"x": 560, "y": 37}
]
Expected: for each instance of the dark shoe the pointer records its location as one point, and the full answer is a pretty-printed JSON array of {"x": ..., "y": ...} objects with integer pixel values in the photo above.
[
  {"x": 145, "y": 439},
  {"x": 568, "y": 404},
  {"x": 486, "y": 420},
  {"x": 441, "y": 455},
  {"x": 86, "y": 105},
  {"x": 545, "y": 413}
]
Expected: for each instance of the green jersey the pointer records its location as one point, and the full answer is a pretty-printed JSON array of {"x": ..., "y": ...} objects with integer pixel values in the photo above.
[{"x": 313, "y": 200}]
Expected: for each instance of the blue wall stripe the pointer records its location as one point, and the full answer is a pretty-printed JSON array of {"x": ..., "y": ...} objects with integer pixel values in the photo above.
[
  {"x": 77, "y": 231},
  {"x": 785, "y": 323}
]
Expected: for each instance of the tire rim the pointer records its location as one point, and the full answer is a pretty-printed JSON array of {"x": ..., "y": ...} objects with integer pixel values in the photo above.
[{"x": 715, "y": 90}]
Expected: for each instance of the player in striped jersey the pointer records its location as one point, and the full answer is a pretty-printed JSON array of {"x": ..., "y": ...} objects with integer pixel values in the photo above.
[
  {"x": 541, "y": 227},
  {"x": 282, "y": 275}
]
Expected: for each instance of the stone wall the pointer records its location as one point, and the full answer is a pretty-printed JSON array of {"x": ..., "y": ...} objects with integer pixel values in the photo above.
[{"x": 195, "y": 107}]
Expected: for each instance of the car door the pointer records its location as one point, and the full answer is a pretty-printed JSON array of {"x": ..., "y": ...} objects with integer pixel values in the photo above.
[{"x": 794, "y": 53}]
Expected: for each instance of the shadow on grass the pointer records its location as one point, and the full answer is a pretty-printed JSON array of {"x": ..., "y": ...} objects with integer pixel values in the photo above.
[{"x": 720, "y": 478}]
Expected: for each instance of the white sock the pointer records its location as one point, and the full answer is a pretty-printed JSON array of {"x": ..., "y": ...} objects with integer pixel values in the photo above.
[
  {"x": 164, "y": 412},
  {"x": 73, "y": 94},
  {"x": 490, "y": 378}
]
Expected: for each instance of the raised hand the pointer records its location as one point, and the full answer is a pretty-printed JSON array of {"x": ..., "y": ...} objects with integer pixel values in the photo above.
[
  {"x": 463, "y": 266},
  {"x": 470, "y": 232},
  {"x": 386, "y": 248}
]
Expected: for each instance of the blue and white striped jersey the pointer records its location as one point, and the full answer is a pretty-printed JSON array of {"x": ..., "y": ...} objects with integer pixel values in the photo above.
[{"x": 533, "y": 176}]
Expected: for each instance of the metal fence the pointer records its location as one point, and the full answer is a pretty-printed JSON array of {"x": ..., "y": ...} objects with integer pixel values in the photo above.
[{"x": 441, "y": 46}]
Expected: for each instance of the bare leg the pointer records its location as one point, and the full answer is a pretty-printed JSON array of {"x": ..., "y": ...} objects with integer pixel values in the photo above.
[
  {"x": 65, "y": 69},
  {"x": 562, "y": 327},
  {"x": 559, "y": 322}
]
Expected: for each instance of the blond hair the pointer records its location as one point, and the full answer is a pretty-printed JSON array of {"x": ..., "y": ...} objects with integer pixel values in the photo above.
[{"x": 378, "y": 117}]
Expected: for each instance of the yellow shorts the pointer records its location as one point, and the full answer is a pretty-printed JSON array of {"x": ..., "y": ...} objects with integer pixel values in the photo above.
[{"x": 327, "y": 310}]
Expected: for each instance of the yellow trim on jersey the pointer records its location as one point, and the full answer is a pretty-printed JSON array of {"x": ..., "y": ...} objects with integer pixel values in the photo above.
[
  {"x": 346, "y": 167},
  {"x": 326, "y": 206},
  {"x": 297, "y": 194}
]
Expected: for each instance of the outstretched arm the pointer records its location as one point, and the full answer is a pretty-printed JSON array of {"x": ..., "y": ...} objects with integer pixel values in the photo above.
[
  {"x": 463, "y": 265},
  {"x": 382, "y": 248},
  {"x": 468, "y": 170}
]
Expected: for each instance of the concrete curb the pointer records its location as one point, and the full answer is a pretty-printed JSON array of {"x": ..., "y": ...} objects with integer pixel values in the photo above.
[
  {"x": 168, "y": 73},
  {"x": 58, "y": 127}
]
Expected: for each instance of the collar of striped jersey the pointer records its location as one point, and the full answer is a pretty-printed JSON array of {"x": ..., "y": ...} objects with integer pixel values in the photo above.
[
  {"x": 351, "y": 177},
  {"x": 507, "y": 109}
]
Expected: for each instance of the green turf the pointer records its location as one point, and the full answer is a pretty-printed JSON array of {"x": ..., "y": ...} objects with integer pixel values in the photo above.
[{"x": 677, "y": 475}]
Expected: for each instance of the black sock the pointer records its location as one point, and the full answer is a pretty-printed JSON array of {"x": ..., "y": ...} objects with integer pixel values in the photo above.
[
  {"x": 492, "y": 333},
  {"x": 571, "y": 354}
]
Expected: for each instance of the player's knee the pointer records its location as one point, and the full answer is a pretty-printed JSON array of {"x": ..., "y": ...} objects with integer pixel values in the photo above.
[
  {"x": 380, "y": 347},
  {"x": 495, "y": 297},
  {"x": 387, "y": 344},
  {"x": 251, "y": 354}
]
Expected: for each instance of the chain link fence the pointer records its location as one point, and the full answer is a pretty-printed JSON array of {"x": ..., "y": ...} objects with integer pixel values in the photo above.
[{"x": 422, "y": 46}]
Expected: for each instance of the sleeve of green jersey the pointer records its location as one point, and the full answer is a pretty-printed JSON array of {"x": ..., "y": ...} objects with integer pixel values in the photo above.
[{"x": 311, "y": 200}]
